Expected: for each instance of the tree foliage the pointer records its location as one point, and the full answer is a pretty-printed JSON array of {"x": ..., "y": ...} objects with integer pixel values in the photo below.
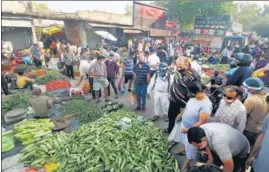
[
  {"x": 184, "y": 11},
  {"x": 253, "y": 18},
  {"x": 247, "y": 14},
  {"x": 41, "y": 7}
]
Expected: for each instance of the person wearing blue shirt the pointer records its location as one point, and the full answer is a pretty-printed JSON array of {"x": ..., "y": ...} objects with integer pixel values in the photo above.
[
  {"x": 212, "y": 59},
  {"x": 128, "y": 71},
  {"x": 27, "y": 60},
  {"x": 36, "y": 55},
  {"x": 243, "y": 71},
  {"x": 141, "y": 80},
  {"x": 259, "y": 153}
]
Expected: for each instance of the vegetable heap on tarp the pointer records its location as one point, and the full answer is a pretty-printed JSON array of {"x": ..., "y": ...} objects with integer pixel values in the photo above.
[
  {"x": 31, "y": 130},
  {"x": 220, "y": 67},
  {"x": 18, "y": 100},
  {"x": 102, "y": 145},
  {"x": 51, "y": 75},
  {"x": 111, "y": 106},
  {"x": 81, "y": 107},
  {"x": 8, "y": 142}
]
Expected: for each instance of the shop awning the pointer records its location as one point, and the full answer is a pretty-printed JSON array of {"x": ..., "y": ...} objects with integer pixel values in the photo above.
[
  {"x": 131, "y": 31},
  {"x": 53, "y": 30},
  {"x": 163, "y": 33},
  {"x": 16, "y": 23}
]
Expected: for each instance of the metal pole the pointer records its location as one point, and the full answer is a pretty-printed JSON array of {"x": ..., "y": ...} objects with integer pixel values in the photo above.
[{"x": 133, "y": 11}]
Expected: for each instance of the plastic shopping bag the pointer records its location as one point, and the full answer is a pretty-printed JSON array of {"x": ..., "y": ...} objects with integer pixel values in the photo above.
[
  {"x": 7, "y": 143},
  {"x": 124, "y": 123},
  {"x": 133, "y": 99},
  {"x": 121, "y": 85},
  {"x": 175, "y": 134}
]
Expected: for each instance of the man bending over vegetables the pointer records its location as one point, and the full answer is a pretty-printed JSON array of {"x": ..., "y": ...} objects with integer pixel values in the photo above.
[{"x": 41, "y": 104}]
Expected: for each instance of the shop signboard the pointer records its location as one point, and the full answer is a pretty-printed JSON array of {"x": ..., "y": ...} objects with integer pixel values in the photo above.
[
  {"x": 171, "y": 25},
  {"x": 163, "y": 33},
  {"x": 147, "y": 16},
  {"x": 212, "y": 22}
]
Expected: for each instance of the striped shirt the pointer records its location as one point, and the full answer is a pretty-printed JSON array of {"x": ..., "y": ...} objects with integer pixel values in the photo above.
[
  {"x": 129, "y": 65},
  {"x": 141, "y": 73},
  {"x": 178, "y": 91}
]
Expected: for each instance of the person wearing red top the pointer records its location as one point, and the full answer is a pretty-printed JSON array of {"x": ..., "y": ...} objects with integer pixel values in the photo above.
[{"x": 54, "y": 47}]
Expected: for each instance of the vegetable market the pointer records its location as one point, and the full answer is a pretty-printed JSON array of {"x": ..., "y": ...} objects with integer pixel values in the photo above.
[{"x": 147, "y": 88}]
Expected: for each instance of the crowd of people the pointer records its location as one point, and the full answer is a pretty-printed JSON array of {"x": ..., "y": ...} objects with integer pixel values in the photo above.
[
  {"x": 235, "y": 137},
  {"x": 228, "y": 138}
]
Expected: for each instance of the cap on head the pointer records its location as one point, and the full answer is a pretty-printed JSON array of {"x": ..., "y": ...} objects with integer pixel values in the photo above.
[
  {"x": 254, "y": 84},
  {"x": 243, "y": 58}
]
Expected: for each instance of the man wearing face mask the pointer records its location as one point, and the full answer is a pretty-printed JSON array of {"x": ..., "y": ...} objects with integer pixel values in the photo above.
[
  {"x": 99, "y": 73},
  {"x": 179, "y": 91},
  {"x": 141, "y": 79},
  {"x": 256, "y": 107},
  {"x": 231, "y": 111},
  {"x": 224, "y": 145},
  {"x": 112, "y": 71}
]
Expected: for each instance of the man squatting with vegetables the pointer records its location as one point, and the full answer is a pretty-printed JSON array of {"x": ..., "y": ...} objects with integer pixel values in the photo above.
[
  {"x": 99, "y": 73},
  {"x": 178, "y": 91},
  {"x": 160, "y": 83},
  {"x": 41, "y": 104}
]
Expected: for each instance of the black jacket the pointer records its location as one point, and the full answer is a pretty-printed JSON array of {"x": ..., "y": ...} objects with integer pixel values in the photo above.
[{"x": 179, "y": 91}]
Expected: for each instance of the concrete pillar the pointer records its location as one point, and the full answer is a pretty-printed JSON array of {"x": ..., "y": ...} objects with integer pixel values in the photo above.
[
  {"x": 34, "y": 34},
  {"x": 74, "y": 31}
]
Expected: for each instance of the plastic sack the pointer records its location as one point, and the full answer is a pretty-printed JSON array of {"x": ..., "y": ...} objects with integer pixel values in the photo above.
[
  {"x": 175, "y": 134},
  {"x": 140, "y": 119},
  {"x": 51, "y": 167},
  {"x": 75, "y": 91},
  {"x": 7, "y": 143},
  {"x": 133, "y": 99},
  {"x": 86, "y": 87},
  {"x": 124, "y": 123},
  {"x": 260, "y": 72}
]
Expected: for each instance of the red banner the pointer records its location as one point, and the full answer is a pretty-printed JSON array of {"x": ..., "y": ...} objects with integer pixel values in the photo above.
[
  {"x": 151, "y": 12},
  {"x": 170, "y": 24},
  {"x": 146, "y": 16}
]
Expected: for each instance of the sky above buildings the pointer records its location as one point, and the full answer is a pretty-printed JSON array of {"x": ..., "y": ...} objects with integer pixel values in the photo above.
[{"x": 108, "y": 6}]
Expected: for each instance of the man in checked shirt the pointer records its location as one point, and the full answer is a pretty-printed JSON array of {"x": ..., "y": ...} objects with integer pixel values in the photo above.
[
  {"x": 231, "y": 111},
  {"x": 99, "y": 73}
]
